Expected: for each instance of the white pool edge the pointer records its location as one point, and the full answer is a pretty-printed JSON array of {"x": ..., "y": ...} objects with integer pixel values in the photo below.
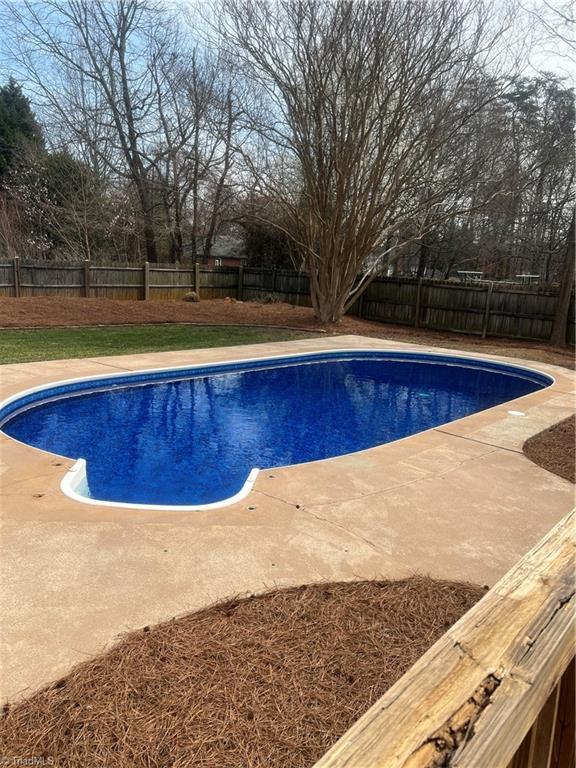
[{"x": 74, "y": 484}]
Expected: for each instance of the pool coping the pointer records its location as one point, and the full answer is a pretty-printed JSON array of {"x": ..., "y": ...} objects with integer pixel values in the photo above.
[{"x": 458, "y": 502}]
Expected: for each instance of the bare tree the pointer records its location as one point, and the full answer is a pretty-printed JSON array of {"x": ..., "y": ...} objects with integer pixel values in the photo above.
[
  {"x": 199, "y": 111},
  {"x": 558, "y": 336},
  {"x": 557, "y": 22},
  {"x": 16, "y": 234},
  {"x": 364, "y": 98},
  {"x": 557, "y": 27},
  {"x": 523, "y": 228},
  {"x": 93, "y": 59}
]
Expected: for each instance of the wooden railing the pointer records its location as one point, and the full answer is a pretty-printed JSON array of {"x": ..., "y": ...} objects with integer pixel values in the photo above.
[{"x": 496, "y": 691}]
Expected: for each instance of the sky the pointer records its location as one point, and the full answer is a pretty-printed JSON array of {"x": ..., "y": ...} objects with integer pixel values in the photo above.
[
  {"x": 553, "y": 48},
  {"x": 557, "y": 51}
]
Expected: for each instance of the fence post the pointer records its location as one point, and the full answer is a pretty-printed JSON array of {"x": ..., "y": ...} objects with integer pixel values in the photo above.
[
  {"x": 86, "y": 278},
  {"x": 240, "y": 286},
  {"x": 418, "y": 303},
  {"x": 361, "y": 303},
  {"x": 146, "y": 277},
  {"x": 197, "y": 277},
  {"x": 16, "y": 265},
  {"x": 487, "y": 310}
]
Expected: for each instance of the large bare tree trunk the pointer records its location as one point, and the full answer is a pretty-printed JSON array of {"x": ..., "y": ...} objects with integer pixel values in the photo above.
[
  {"x": 560, "y": 325},
  {"x": 217, "y": 203},
  {"x": 148, "y": 224},
  {"x": 178, "y": 239}
]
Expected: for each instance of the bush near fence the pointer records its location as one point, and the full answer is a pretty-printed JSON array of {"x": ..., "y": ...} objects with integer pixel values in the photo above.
[{"x": 485, "y": 309}]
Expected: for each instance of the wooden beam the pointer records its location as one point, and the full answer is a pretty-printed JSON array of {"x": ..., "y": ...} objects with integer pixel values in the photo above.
[
  {"x": 146, "y": 281},
  {"x": 472, "y": 698},
  {"x": 564, "y": 746},
  {"x": 86, "y": 278},
  {"x": 542, "y": 733},
  {"x": 240, "y": 284},
  {"x": 16, "y": 271},
  {"x": 417, "y": 309},
  {"x": 486, "y": 320}
]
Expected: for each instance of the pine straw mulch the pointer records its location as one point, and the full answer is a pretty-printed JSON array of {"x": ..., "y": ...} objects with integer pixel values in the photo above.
[
  {"x": 261, "y": 682},
  {"x": 554, "y": 449}
]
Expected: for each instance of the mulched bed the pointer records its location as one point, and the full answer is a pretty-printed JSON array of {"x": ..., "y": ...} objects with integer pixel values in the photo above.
[
  {"x": 263, "y": 682},
  {"x": 554, "y": 449},
  {"x": 49, "y": 312}
]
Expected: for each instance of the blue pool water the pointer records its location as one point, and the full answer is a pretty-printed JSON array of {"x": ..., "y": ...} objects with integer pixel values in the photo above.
[{"x": 192, "y": 437}]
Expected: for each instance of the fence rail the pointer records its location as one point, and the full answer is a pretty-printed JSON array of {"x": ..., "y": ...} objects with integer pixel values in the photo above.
[
  {"x": 496, "y": 691},
  {"x": 488, "y": 309}
]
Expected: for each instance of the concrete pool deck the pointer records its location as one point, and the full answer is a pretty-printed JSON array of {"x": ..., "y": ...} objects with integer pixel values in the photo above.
[{"x": 457, "y": 502}]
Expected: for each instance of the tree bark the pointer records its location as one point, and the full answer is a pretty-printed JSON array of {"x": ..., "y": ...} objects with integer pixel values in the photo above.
[
  {"x": 148, "y": 225},
  {"x": 559, "y": 327},
  {"x": 221, "y": 180}
]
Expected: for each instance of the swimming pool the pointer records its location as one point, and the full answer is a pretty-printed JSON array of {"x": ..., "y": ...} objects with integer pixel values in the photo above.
[{"x": 195, "y": 437}]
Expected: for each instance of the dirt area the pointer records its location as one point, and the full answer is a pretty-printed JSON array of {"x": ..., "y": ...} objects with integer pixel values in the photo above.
[
  {"x": 50, "y": 312},
  {"x": 266, "y": 682},
  {"x": 554, "y": 449}
]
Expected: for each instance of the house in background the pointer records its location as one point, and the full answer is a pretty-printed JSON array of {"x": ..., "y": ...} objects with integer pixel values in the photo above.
[{"x": 226, "y": 251}]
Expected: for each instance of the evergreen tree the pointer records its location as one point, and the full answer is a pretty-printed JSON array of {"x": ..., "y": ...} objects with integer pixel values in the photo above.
[{"x": 17, "y": 125}]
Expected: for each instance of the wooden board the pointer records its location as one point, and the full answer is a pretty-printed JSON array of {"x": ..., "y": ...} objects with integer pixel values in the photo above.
[{"x": 472, "y": 698}]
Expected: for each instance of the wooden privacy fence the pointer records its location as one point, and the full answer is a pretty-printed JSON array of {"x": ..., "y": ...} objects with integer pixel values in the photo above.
[
  {"x": 485, "y": 309},
  {"x": 496, "y": 691}
]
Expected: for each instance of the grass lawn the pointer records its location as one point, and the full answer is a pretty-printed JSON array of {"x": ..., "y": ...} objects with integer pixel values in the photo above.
[{"x": 22, "y": 346}]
